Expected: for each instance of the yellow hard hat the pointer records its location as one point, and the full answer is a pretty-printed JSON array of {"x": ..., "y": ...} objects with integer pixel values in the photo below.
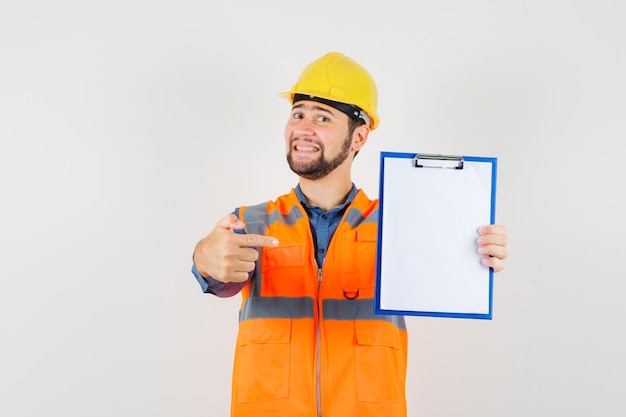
[{"x": 340, "y": 79}]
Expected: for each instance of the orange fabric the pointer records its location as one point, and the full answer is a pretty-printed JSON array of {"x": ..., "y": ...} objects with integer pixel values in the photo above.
[{"x": 283, "y": 357}]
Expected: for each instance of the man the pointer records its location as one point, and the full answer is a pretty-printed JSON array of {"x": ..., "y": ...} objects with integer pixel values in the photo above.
[{"x": 309, "y": 344}]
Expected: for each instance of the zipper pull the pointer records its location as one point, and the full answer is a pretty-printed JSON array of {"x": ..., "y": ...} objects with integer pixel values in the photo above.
[{"x": 319, "y": 271}]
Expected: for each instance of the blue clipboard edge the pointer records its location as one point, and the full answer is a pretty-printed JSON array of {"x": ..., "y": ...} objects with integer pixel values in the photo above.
[{"x": 377, "y": 310}]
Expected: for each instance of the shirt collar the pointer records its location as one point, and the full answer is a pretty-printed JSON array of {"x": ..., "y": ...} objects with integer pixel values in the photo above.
[{"x": 349, "y": 199}]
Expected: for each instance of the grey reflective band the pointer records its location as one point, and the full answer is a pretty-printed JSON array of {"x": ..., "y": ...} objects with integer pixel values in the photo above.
[
  {"x": 304, "y": 308},
  {"x": 289, "y": 219},
  {"x": 360, "y": 309},
  {"x": 277, "y": 308},
  {"x": 355, "y": 217},
  {"x": 257, "y": 218}
]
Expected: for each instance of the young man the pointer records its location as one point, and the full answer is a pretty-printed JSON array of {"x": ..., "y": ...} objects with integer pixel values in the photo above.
[{"x": 309, "y": 344}]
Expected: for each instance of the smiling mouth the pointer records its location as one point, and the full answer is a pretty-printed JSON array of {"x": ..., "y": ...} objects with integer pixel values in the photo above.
[{"x": 306, "y": 148}]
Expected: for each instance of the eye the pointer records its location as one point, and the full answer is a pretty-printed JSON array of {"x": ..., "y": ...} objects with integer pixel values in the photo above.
[
  {"x": 323, "y": 119},
  {"x": 297, "y": 115}
]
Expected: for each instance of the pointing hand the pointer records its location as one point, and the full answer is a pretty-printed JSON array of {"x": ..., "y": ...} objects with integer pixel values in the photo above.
[{"x": 227, "y": 256}]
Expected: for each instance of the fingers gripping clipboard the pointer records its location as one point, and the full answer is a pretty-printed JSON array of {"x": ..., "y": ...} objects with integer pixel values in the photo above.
[{"x": 430, "y": 209}]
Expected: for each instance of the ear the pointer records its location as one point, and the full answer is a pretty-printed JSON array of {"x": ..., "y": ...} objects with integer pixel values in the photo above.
[{"x": 359, "y": 137}]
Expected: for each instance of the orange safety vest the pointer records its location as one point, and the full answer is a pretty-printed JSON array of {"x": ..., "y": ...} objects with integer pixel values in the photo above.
[{"x": 309, "y": 343}]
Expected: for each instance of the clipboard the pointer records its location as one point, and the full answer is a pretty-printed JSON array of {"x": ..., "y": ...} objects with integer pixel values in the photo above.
[{"x": 430, "y": 208}]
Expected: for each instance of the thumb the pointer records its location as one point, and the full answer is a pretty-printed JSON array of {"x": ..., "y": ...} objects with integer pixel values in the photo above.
[{"x": 231, "y": 222}]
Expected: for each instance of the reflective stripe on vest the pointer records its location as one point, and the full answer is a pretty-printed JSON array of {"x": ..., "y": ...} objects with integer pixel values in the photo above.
[
  {"x": 296, "y": 308},
  {"x": 361, "y": 309},
  {"x": 277, "y": 307}
]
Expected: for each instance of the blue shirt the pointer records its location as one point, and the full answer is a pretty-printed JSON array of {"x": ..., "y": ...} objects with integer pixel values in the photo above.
[{"x": 323, "y": 226}]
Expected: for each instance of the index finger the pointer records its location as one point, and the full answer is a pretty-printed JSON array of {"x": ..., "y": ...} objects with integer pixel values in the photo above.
[
  {"x": 259, "y": 241},
  {"x": 495, "y": 229}
]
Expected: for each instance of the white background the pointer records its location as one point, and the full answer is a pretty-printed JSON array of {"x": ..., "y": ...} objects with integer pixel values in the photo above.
[{"x": 128, "y": 128}]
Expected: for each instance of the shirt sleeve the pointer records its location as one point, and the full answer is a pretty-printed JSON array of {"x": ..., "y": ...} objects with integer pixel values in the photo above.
[{"x": 210, "y": 285}]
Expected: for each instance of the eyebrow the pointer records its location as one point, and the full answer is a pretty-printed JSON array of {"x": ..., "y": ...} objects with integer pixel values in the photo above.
[{"x": 315, "y": 107}]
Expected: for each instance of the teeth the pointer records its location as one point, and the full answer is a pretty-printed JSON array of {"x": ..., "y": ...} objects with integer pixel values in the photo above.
[{"x": 306, "y": 148}]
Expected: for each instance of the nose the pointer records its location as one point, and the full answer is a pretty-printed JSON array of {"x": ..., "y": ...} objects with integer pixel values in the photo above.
[{"x": 304, "y": 127}]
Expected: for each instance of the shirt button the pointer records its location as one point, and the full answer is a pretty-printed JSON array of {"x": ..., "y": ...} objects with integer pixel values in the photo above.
[
  {"x": 322, "y": 250},
  {"x": 324, "y": 216}
]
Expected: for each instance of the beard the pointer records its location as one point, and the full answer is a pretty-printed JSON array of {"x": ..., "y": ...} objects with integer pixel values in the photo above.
[{"x": 321, "y": 167}]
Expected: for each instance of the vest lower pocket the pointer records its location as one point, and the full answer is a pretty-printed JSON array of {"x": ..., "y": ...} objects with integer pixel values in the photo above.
[
  {"x": 380, "y": 370},
  {"x": 263, "y": 353}
]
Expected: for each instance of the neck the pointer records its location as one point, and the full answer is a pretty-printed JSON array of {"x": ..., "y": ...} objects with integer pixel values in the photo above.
[{"x": 328, "y": 192}]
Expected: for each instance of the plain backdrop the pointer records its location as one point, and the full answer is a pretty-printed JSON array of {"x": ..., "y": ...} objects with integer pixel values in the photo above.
[{"x": 129, "y": 128}]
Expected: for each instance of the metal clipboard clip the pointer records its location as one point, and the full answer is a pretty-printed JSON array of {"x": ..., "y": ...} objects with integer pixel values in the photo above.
[{"x": 425, "y": 160}]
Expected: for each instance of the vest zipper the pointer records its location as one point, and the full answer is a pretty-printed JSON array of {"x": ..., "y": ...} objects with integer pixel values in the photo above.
[{"x": 319, "y": 344}]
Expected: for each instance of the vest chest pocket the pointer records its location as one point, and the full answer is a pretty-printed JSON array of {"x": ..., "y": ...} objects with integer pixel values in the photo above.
[
  {"x": 379, "y": 364},
  {"x": 263, "y": 354},
  {"x": 358, "y": 258},
  {"x": 286, "y": 256},
  {"x": 282, "y": 268}
]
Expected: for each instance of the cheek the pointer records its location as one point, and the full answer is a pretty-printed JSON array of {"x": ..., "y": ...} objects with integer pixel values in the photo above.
[{"x": 287, "y": 134}]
